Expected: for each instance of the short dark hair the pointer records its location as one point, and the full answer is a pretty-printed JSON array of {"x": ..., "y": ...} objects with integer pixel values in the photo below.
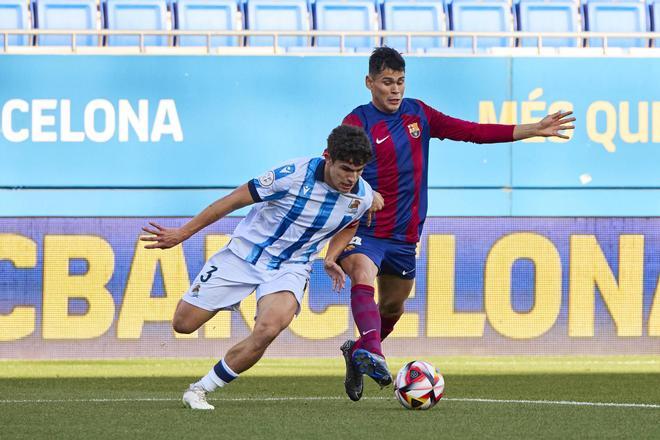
[
  {"x": 350, "y": 144},
  {"x": 383, "y": 58}
]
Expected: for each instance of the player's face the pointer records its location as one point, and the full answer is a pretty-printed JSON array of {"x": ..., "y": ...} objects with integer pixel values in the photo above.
[
  {"x": 342, "y": 175},
  {"x": 387, "y": 89}
]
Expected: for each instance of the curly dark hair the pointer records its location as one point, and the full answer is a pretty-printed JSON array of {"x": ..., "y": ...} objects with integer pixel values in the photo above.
[
  {"x": 383, "y": 58},
  {"x": 350, "y": 144}
]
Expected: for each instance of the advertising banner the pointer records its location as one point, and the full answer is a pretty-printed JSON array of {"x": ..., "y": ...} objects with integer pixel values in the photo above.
[{"x": 87, "y": 288}]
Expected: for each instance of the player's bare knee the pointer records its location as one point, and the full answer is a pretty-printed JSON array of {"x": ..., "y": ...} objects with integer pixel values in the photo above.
[
  {"x": 359, "y": 273},
  {"x": 265, "y": 332},
  {"x": 180, "y": 325},
  {"x": 361, "y": 276}
]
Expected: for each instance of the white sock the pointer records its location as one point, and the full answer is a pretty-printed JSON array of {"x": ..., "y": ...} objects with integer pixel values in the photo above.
[{"x": 211, "y": 381}]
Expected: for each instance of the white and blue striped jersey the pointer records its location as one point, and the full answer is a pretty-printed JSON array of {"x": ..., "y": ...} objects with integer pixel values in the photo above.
[{"x": 299, "y": 214}]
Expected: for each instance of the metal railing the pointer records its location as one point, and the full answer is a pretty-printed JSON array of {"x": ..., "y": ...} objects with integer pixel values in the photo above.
[{"x": 581, "y": 38}]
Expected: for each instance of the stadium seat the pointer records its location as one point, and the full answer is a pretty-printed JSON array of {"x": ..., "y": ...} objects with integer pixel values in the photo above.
[
  {"x": 346, "y": 15},
  {"x": 548, "y": 16},
  {"x": 212, "y": 15},
  {"x": 65, "y": 14},
  {"x": 14, "y": 15},
  {"x": 277, "y": 15},
  {"x": 136, "y": 15},
  {"x": 481, "y": 16},
  {"x": 655, "y": 17},
  {"x": 414, "y": 15},
  {"x": 317, "y": 50},
  {"x": 616, "y": 16}
]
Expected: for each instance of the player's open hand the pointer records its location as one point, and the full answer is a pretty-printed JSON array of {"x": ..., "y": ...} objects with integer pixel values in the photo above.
[
  {"x": 376, "y": 205},
  {"x": 163, "y": 238},
  {"x": 554, "y": 124},
  {"x": 336, "y": 273}
]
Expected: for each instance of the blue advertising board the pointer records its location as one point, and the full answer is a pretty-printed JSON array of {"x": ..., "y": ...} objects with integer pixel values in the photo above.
[{"x": 172, "y": 121}]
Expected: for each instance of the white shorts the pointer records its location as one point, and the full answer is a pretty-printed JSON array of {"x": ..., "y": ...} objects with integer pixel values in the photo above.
[{"x": 225, "y": 280}]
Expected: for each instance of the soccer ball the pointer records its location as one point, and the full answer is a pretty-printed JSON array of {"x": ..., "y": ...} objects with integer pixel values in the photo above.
[{"x": 419, "y": 385}]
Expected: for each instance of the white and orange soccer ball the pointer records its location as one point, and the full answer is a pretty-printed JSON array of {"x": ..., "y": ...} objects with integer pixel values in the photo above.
[{"x": 419, "y": 385}]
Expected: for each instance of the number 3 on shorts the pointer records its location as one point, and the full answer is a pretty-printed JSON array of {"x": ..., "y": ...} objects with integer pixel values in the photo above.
[{"x": 207, "y": 276}]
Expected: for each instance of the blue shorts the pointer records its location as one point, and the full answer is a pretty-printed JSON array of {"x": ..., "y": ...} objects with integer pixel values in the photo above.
[{"x": 392, "y": 257}]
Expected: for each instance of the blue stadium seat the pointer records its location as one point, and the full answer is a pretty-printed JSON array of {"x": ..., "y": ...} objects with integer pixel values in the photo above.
[
  {"x": 548, "y": 16},
  {"x": 655, "y": 17},
  {"x": 136, "y": 15},
  {"x": 211, "y": 15},
  {"x": 14, "y": 15},
  {"x": 65, "y": 14},
  {"x": 481, "y": 16},
  {"x": 346, "y": 15},
  {"x": 277, "y": 15},
  {"x": 414, "y": 15},
  {"x": 616, "y": 16}
]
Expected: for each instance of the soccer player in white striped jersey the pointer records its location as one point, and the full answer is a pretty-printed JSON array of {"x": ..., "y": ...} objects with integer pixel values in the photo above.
[{"x": 299, "y": 207}]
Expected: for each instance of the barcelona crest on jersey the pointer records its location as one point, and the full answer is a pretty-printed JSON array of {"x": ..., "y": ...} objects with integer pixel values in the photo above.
[{"x": 414, "y": 130}]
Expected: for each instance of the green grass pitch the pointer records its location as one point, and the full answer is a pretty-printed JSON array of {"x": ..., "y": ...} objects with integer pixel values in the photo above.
[{"x": 486, "y": 397}]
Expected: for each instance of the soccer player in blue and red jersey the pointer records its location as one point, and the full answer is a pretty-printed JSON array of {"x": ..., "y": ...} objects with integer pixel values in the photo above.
[{"x": 400, "y": 129}]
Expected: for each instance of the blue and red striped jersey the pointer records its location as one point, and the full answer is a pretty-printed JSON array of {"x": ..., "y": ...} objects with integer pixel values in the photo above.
[{"x": 399, "y": 171}]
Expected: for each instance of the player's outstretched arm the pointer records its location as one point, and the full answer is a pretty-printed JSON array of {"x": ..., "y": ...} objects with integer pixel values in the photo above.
[
  {"x": 551, "y": 125},
  {"x": 337, "y": 244},
  {"x": 165, "y": 238}
]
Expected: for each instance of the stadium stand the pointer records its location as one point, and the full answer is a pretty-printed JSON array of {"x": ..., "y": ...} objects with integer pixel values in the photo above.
[
  {"x": 548, "y": 16},
  {"x": 14, "y": 15},
  {"x": 273, "y": 15},
  {"x": 414, "y": 15},
  {"x": 543, "y": 16},
  {"x": 135, "y": 15},
  {"x": 346, "y": 15},
  {"x": 481, "y": 16},
  {"x": 65, "y": 14},
  {"x": 206, "y": 15},
  {"x": 616, "y": 16}
]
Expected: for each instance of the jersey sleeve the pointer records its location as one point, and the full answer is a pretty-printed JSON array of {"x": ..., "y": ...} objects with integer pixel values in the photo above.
[
  {"x": 445, "y": 127},
  {"x": 352, "y": 119},
  {"x": 273, "y": 184}
]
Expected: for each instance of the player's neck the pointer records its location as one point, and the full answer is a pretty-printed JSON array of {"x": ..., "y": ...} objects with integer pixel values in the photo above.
[{"x": 383, "y": 110}]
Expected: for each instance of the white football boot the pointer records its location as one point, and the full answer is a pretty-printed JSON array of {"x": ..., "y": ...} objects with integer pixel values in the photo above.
[{"x": 195, "y": 398}]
